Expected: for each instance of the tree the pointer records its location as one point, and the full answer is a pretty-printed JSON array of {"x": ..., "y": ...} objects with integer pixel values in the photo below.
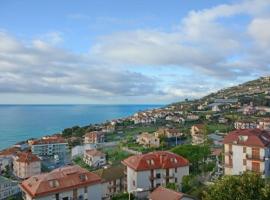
[
  {"x": 123, "y": 196},
  {"x": 248, "y": 186}
]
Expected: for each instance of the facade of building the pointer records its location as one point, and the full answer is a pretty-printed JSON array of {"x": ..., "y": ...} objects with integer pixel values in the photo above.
[
  {"x": 8, "y": 188},
  {"x": 168, "y": 133},
  {"x": 245, "y": 124},
  {"x": 151, "y": 170},
  {"x": 72, "y": 182},
  {"x": 26, "y": 164},
  {"x": 48, "y": 147},
  {"x": 94, "y": 137},
  {"x": 264, "y": 124},
  {"x": 247, "y": 150},
  {"x": 94, "y": 158},
  {"x": 197, "y": 134},
  {"x": 112, "y": 180},
  {"x": 148, "y": 140},
  {"x": 162, "y": 193}
]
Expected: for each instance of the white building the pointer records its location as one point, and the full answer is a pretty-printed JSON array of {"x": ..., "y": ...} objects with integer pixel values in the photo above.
[
  {"x": 245, "y": 124},
  {"x": 50, "y": 146},
  {"x": 155, "y": 169},
  {"x": 26, "y": 164},
  {"x": 72, "y": 182},
  {"x": 94, "y": 158},
  {"x": 8, "y": 188},
  {"x": 247, "y": 150},
  {"x": 264, "y": 124}
]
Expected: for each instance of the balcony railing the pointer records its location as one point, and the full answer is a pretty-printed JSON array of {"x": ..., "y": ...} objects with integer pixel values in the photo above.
[{"x": 253, "y": 157}]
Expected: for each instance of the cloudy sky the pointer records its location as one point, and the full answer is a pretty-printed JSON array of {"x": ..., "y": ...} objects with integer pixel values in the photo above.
[{"x": 137, "y": 51}]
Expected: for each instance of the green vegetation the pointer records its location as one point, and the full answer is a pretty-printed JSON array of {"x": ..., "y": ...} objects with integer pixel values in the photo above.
[
  {"x": 211, "y": 128},
  {"x": 79, "y": 161},
  {"x": 115, "y": 155},
  {"x": 195, "y": 154},
  {"x": 123, "y": 196},
  {"x": 172, "y": 186},
  {"x": 248, "y": 186}
]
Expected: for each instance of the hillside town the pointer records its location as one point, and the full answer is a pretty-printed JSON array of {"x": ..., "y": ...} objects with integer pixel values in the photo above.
[{"x": 173, "y": 152}]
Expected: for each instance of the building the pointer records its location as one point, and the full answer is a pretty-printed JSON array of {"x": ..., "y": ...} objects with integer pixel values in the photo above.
[
  {"x": 72, "y": 182},
  {"x": 8, "y": 188},
  {"x": 94, "y": 137},
  {"x": 197, "y": 134},
  {"x": 26, "y": 164},
  {"x": 151, "y": 170},
  {"x": 94, "y": 158},
  {"x": 247, "y": 150},
  {"x": 49, "y": 147},
  {"x": 162, "y": 193},
  {"x": 112, "y": 180},
  {"x": 264, "y": 124},
  {"x": 168, "y": 133},
  {"x": 148, "y": 140},
  {"x": 245, "y": 124}
]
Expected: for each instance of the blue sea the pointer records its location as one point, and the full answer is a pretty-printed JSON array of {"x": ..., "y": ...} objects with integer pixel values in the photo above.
[{"x": 20, "y": 122}]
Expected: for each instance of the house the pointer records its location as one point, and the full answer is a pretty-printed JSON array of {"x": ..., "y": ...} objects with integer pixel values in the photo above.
[
  {"x": 151, "y": 170},
  {"x": 222, "y": 120},
  {"x": 148, "y": 140},
  {"x": 8, "y": 188},
  {"x": 94, "y": 137},
  {"x": 72, "y": 182},
  {"x": 162, "y": 193},
  {"x": 94, "y": 158},
  {"x": 245, "y": 124},
  {"x": 247, "y": 150},
  {"x": 112, "y": 180},
  {"x": 50, "y": 146},
  {"x": 192, "y": 117},
  {"x": 249, "y": 110},
  {"x": 264, "y": 124},
  {"x": 26, "y": 164},
  {"x": 197, "y": 134},
  {"x": 168, "y": 133}
]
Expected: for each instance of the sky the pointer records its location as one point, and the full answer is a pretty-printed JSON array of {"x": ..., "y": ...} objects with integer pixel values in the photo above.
[{"x": 129, "y": 52}]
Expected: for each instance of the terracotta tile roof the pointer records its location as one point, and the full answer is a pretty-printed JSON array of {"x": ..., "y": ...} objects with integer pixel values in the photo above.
[
  {"x": 9, "y": 151},
  {"x": 162, "y": 193},
  {"x": 199, "y": 126},
  {"x": 94, "y": 152},
  {"x": 155, "y": 160},
  {"x": 26, "y": 157},
  {"x": 248, "y": 137},
  {"x": 111, "y": 173},
  {"x": 51, "y": 140},
  {"x": 61, "y": 179}
]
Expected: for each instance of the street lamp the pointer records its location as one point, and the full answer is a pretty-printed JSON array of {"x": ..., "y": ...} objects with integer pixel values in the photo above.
[{"x": 136, "y": 190}]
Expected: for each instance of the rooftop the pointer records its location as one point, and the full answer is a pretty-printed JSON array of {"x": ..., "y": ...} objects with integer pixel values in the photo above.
[
  {"x": 248, "y": 137},
  {"x": 94, "y": 152},
  {"x": 111, "y": 173},
  {"x": 26, "y": 157},
  {"x": 162, "y": 193},
  {"x": 60, "y": 179},
  {"x": 155, "y": 160}
]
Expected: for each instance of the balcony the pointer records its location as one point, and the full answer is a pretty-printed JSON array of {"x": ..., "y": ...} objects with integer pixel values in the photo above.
[
  {"x": 255, "y": 158},
  {"x": 228, "y": 153}
]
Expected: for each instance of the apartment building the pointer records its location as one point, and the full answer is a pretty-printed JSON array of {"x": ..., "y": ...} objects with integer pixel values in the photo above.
[
  {"x": 72, "y": 182},
  {"x": 94, "y": 158},
  {"x": 8, "y": 188},
  {"x": 112, "y": 180},
  {"x": 94, "y": 137},
  {"x": 148, "y": 140},
  {"x": 50, "y": 146},
  {"x": 247, "y": 150},
  {"x": 264, "y": 124},
  {"x": 26, "y": 164},
  {"x": 154, "y": 169},
  {"x": 245, "y": 124}
]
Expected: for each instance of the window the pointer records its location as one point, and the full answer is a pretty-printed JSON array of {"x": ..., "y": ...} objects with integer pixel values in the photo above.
[
  {"x": 65, "y": 198},
  {"x": 244, "y": 149},
  {"x": 57, "y": 196},
  {"x": 244, "y": 162},
  {"x": 175, "y": 180},
  {"x": 158, "y": 175},
  {"x": 134, "y": 183},
  {"x": 256, "y": 166},
  {"x": 158, "y": 184},
  {"x": 175, "y": 170}
]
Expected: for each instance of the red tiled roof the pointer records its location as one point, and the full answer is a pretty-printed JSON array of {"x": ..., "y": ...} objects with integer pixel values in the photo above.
[
  {"x": 162, "y": 193},
  {"x": 49, "y": 141},
  {"x": 61, "y": 179},
  {"x": 155, "y": 160},
  {"x": 254, "y": 137},
  {"x": 9, "y": 151},
  {"x": 26, "y": 157},
  {"x": 94, "y": 152}
]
